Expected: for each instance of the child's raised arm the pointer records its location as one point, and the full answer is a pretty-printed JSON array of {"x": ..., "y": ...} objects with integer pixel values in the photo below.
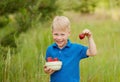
[{"x": 92, "y": 46}]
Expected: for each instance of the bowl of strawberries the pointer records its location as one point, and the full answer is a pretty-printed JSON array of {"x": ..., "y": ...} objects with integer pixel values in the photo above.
[{"x": 53, "y": 63}]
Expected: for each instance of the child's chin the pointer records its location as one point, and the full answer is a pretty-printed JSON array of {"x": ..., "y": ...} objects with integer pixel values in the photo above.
[{"x": 60, "y": 45}]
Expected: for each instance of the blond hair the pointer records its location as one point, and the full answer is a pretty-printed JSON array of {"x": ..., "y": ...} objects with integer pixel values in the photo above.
[{"x": 61, "y": 23}]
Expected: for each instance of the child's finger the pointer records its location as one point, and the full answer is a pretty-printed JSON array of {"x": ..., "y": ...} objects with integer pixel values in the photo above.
[
  {"x": 87, "y": 32},
  {"x": 45, "y": 66},
  {"x": 52, "y": 71},
  {"x": 45, "y": 69},
  {"x": 49, "y": 70}
]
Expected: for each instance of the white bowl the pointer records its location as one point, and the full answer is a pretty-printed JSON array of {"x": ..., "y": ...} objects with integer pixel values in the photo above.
[{"x": 55, "y": 65}]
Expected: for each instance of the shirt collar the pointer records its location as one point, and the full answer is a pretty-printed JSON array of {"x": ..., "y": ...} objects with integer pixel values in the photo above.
[{"x": 67, "y": 46}]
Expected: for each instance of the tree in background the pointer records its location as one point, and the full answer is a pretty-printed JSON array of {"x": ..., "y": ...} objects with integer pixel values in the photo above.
[
  {"x": 88, "y": 6},
  {"x": 82, "y": 6},
  {"x": 26, "y": 14},
  {"x": 17, "y": 16}
]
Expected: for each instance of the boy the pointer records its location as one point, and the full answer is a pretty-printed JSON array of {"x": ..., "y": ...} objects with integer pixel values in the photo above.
[{"x": 69, "y": 53}]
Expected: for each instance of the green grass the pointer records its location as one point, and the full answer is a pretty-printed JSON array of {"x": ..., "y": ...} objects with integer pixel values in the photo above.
[
  {"x": 105, "y": 66},
  {"x": 27, "y": 64}
]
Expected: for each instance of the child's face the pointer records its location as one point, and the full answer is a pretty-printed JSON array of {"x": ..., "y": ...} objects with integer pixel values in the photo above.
[{"x": 60, "y": 37}]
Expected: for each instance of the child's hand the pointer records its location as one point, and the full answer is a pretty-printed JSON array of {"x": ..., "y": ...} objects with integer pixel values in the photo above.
[
  {"x": 48, "y": 70},
  {"x": 87, "y": 33}
]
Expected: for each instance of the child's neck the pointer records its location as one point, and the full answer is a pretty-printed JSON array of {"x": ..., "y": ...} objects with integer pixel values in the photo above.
[{"x": 62, "y": 46}]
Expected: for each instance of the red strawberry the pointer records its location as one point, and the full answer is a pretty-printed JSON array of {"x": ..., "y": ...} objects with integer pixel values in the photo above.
[
  {"x": 49, "y": 59},
  {"x": 56, "y": 59},
  {"x": 82, "y": 36}
]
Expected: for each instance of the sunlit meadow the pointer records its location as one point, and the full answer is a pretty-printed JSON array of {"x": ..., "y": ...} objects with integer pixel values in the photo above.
[{"x": 27, "y": 64}]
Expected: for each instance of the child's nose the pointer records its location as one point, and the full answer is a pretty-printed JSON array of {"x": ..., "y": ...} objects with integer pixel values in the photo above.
[{"x": 59, "y": 37}]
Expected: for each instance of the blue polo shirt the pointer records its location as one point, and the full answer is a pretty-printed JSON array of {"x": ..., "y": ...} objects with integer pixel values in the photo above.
[{"x": 70, "y": 56}]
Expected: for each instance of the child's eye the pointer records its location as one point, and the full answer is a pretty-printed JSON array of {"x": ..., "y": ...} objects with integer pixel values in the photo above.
[
  {"x": 55, "y": 34},
  {"x": 62, "y": 34}
]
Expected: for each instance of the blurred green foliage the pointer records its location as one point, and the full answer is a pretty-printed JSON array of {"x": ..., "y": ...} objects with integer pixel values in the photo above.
[
  {"x": 12, "y": 6},
  {"x": 25, "y": 14},
  {"x": 88, "y": 6},
  {"x": 4, "y": 20},
  {"x": 21, "y": 15}
]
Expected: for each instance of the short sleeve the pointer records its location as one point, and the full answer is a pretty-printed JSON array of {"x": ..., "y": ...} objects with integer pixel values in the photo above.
[{"x": 84, "y": 52}]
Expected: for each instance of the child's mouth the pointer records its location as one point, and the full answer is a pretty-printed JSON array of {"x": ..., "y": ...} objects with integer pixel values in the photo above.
[{"x": 59, "y": 42}]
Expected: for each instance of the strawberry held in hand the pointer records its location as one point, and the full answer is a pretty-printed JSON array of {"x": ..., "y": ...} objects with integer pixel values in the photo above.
[{"x": 81, "y": 36}]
